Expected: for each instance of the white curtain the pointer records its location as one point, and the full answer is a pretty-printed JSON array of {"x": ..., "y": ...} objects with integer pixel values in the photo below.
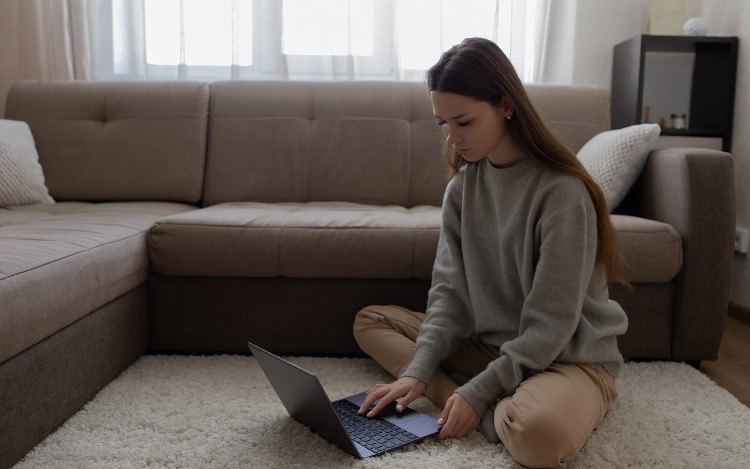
[
  {"x": 48, "y": 39},
  {"x": 314, "y": 40},
  {"x": 52, "y": 38},
  {"x": 109, "y": 39},
  {"x": 554, "y": 51}
]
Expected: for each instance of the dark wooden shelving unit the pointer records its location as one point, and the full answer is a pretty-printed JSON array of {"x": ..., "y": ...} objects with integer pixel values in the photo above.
[{"x": 711, "y": 83}]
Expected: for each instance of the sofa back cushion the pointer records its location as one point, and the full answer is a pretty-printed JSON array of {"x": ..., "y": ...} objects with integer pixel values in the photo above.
[
  {"x": 117, "y": 141},
  {"x": 574, "y": 113},
  {"x": 362, "y": 142}
]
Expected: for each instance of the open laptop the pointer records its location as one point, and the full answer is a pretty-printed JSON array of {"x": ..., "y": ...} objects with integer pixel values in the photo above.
[{"x": 338, "y": 421}]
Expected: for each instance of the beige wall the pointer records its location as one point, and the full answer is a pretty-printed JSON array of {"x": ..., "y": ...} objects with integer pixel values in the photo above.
[
  {"x": 599, "y": 26},
  {"x": 732, "y": 18}
]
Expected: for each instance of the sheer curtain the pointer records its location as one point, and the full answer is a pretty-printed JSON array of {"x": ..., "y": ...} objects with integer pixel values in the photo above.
[
  {"x": 554, "y": 45},
  {"x": 48, "y": 39},
  {"x": 270, "y": 39},
  {"x": 313, "y": 40},
  {"x": 53, "y": 38}
]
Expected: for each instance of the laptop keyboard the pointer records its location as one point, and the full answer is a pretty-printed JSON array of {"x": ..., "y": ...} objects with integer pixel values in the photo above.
[{"x": 374, "y": 434}]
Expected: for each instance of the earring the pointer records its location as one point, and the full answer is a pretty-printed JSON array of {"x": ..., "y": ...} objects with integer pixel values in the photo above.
[{"x": 507, "y": 117}]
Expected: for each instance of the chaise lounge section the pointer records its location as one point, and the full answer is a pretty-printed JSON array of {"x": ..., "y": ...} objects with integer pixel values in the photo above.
[
  {"x": 73, "y": 275},
  {"x": 192, "y": 218}
]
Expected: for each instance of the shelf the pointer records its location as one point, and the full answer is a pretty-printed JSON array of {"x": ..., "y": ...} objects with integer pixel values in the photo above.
[
  {"x": 694, "y": 76},
  {"x": 692, "y": 132},
  {"x": 654, "y": 43}
]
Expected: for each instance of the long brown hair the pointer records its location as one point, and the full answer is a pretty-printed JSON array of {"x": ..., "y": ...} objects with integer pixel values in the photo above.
[{"x": 477, "y": 68}]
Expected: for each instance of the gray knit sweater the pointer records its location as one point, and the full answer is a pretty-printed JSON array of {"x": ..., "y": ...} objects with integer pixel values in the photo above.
[{"x": 516, "y": 266}]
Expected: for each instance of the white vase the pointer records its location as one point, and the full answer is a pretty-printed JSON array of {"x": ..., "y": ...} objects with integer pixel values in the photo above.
[{"x": 695, "y": 27}]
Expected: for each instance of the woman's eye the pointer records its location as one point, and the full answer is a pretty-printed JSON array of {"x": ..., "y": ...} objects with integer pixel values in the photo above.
[
  {"x": 464, "y": 124},
  {"x": 440, "y": 123}
]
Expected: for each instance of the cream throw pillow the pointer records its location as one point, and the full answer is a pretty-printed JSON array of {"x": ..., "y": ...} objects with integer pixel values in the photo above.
[
  {"x": 21, "y": 177},
  {"x": 615, "y": 158}
]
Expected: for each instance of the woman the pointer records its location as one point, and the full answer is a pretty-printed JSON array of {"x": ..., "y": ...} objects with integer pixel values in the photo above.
[{"x": 520, "y": 337}]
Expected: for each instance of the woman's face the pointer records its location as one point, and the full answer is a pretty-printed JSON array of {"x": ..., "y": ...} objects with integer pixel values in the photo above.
[{"x": 475, "y": 128}]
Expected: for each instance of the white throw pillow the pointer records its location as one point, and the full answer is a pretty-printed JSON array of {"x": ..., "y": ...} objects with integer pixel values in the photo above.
[
  {"x": 21, "y": 177},
  {"x": 615, "y": 158}
]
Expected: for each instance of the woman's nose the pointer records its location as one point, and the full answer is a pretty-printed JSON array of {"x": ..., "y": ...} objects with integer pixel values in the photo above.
[{"x": 451, "y": 137}]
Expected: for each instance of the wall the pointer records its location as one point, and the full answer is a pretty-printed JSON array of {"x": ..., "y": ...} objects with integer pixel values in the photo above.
[
  {"x": 600, "y": 25},
  {"x": 732, "y": 18}
]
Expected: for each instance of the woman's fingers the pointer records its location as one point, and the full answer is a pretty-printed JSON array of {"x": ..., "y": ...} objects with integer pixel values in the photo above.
[
  {"x": 410, "y": 397},
  {"x": 407, "y": 389},
  {"x": 458, "y": 419},
  {"x": 375, "y": 393},
  {"x": 393, "y": 393}
]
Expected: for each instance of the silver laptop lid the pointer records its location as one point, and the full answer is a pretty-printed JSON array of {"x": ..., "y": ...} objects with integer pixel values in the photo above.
[{"x": 304, "y": 398}]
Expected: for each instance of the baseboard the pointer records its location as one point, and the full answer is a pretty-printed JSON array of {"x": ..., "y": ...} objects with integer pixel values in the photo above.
[{"x": 739, "y": 312}]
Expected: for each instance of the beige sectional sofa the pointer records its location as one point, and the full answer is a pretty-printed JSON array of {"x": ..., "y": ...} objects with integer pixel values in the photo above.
[{"x": 193, "y": 217}]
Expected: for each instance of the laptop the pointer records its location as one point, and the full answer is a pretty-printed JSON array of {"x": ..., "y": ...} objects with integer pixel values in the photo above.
[{"x": 339, "y": 421}]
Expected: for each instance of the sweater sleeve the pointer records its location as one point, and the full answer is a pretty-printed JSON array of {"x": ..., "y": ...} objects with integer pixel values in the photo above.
[
  {"x": 551, "y": 311},
  {"x": 449, "y": 320}
]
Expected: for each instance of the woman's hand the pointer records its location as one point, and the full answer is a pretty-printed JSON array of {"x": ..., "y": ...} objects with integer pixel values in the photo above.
[
  {"x": 458, "y": 419},
  {"x": 407, "y": 388}
]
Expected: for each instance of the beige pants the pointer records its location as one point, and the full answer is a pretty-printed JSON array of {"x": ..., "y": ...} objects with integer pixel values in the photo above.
[{"x": 544, "y": 423}]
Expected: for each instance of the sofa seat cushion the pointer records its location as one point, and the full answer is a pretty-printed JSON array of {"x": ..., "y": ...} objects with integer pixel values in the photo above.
[
  {"x": 347, "y": 240},
  {"x": 19, "y": 214},
  {"x": 303, "y": 240},
  {"x": 59, "y": 262},
  {"x": 652, "y": 250}
]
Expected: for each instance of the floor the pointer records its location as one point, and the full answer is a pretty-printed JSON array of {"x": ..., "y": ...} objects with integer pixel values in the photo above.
[{"x": 732, "y": 369}]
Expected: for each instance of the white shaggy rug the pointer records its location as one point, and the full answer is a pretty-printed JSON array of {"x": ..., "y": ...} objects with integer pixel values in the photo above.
[{"x": 220, "y": 411}]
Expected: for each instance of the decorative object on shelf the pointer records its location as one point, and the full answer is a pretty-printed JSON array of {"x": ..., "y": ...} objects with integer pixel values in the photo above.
[
  {"x": 679, "y": 122},
  {"x": 645, "y": 115},
  {"x": 695, "y": 27},
  {"x": 674, "y": 121}
]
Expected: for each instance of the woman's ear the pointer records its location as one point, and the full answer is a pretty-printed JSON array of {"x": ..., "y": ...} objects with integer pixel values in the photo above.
[{"x": 506, "y": 107}]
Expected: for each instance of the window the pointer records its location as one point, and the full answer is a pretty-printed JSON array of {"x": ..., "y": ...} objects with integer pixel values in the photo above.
[
  {"x": 199, "y": 32},
  {"x": 306, "y": 39},
  {"x": 425, "y": 31},
  {"x": 328, "y": 27}
]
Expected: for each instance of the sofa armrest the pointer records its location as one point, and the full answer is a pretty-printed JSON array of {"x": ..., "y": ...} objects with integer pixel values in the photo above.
[{"x": 693, "y": 190}]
